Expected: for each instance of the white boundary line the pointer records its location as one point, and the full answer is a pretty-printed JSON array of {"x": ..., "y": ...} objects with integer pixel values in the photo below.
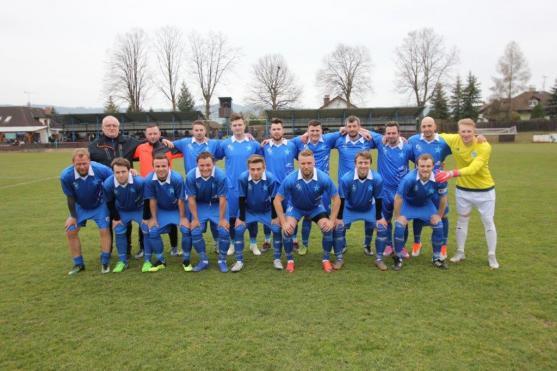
[{"x": 29, "y": 182}]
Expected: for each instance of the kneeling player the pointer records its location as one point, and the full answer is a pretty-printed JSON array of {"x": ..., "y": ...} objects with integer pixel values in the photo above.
[
  {"x": 124, "y": 197},
  {"x": 414, "y": 200},
  {"x": 164, "y": 190},
  {"x": 206, "y": 188},
  {"x": 360, "y": 192},
  {"x": 304, "y": 191},
  {"x": 257, "y": 189},
  {"x": 82, "y": 185}
]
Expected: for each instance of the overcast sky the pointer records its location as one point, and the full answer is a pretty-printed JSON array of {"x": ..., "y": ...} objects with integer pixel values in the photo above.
[{"x": 57, "y": 49}]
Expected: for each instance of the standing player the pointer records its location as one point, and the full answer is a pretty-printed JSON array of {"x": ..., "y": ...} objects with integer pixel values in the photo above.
[
  {"x": 145, "y": 153},
  {"x": 280, "y": 154},
  {"x": 320, "y": 145},
  {"x": 392, "y": 164},
  {"x": 164, "y": 190},
  {"x": 206, "y": 189},
  {"x": 82, "y": 185},
  {"x": 414, "y": 200},
  {"x": 428, "y": 141},
  {"x": 236, "y": 150},
  {"x": 348, "y": 147},
  {"x": 360, "y": 199},
  {"x": 257, "y": 189},
  {"x": 474, "y": 187},
  {"x": 305, "y": 190},
  {"x": 124, "y": 197}
]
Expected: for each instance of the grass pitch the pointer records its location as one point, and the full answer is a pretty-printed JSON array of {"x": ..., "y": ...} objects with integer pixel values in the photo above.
[{"x": 467, "y": 317}]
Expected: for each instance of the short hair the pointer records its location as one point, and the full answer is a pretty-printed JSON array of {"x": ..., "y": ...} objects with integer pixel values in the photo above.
[
  {"x": 350, "y": 119},
  {"x": 161, "y": 156},
  {"x": 199, "y": 123},
  {"x": 305, "y": 153},
  {"x": 120, "y": 161},
  {"x": 424, "y": 157},
  {"x": 80, "y": 152},
  {"x": 391, "y": 124},
  {"x": 365, "y": 154},
  {"x": 467, "y": 121},
  {"x": 236, "y": 116},
  {"x": 152, "y": 125},
  {"x": 276, "y": 120},
  {"x": 203, "y": 155},
  {"x": 314, "y": 123},
  {"x": 254, "y": 159}
]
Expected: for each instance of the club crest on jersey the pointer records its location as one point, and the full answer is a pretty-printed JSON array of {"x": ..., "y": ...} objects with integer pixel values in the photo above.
[{"x": 474, "y": 154}]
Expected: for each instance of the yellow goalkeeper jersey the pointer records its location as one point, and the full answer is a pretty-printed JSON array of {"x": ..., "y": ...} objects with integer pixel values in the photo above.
[{"x": 472, "y": 163}]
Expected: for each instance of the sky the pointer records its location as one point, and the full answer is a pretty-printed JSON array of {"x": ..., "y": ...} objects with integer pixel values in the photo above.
[{"x": 57, "y": 50}]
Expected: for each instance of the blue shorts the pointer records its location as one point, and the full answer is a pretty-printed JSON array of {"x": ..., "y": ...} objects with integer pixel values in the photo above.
[
  {"x": 209, "y": 212},
  {"x": 436, "y": 199},
  {"x": 388, "y": 198},
  {"x": 263, "y": 218},
  {"x": 128, "y": 216},
  {"x": 423, "y": 213},
  {"x": 100, "y": 215},
  {"x": 299, "y": 213},
  {"x": 350, "y": 216},
  {"x": 165, "y": 219},
  {"x": 233, "y": 203}
]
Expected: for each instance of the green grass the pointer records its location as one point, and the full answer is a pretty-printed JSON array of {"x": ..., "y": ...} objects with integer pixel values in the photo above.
[{"x": 359, "y": 318}]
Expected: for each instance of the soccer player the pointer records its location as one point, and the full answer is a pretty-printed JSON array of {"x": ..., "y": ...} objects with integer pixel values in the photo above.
[
  {"x": 124, "y": 197},
  {"x": 320, "y": 145},
  {"x": 236, "y": 150},
  {"x": 164, "y": 189},
  {"x": 145, "y": 153},
  {"x": 280, "y": 154},
  {"x": 191, "y": 148},
  {"x": 360, "y": 199},
  {"x": 82, "y": 184},
  {"x": 392, "y": 164},
  {"x": 305, "y": 190},
  {"x": 257, "y": 189},
  {"x": 206, "y": 189},
  {"x": 414, "y": 200},
  {"x": 474, "y": 187},
  {"x": 348, "y": 147},
  {"x": 428, "y": 141}
]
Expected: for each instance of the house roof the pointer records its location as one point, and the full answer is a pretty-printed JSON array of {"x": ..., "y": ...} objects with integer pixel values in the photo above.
[
  {"x": 336, "y": 99},
  {"x": 14, "y": 116},
  {"x": 521, "y": 101}
]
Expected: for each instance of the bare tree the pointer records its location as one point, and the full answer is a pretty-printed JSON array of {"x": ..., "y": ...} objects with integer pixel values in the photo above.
[
  {"x": 211, "y": 57},
  {"x": 127, "y": 76},
  {"x": 422, "y": 62},
  {"x": 346, "y": 72},
  {"x": 169, "y": 49},
  {"x": 273, "y": 85},
  {"x": 514, "y": 71}
]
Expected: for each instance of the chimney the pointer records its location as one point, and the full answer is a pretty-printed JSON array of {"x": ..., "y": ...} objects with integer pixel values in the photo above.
[
  {"x": 531, "y": 88},
  {"x": 326, "y": 99}
]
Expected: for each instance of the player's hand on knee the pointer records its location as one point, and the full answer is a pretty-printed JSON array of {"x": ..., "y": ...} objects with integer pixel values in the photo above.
[
  {"x": 325, "y": 224},
  {"x": 239, "y": 223},
  {"x": 115, "y": 223},
  {"x": 151, "y": 223},
  {"x": 339, "y": 223},
  {"x": 289, "y": 227},
  {"x": 71, "y": 221},
  {"x": 184, "y": 222},
  {"x": 401, "y": 219},
  {"x": 435, "y": 219},
  {"x": 224, "y": 224},
  {"x": 382, "y": 222},
  {"x": 194, "y": 224},
  {"x": 275, "y": 221}
]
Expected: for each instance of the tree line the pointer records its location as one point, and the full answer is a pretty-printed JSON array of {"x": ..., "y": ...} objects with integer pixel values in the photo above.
[{"x": 138, "y": 64}]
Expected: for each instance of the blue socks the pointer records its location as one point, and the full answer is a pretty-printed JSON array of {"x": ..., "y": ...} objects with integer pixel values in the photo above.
[{"x": 78, "y": 260}]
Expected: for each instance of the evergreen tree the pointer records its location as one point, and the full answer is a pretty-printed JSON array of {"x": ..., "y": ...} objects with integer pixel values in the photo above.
[
  {"x": 471, "y": 98},
  {"x": 186, "y": 102},
  {"x": 552, "y": 106},
  {"x": 440, "y": 108},
  {"x": 538, "y": 111},
  {"x": 456, "y": 101},
  {"x": 111, "y": 107}
]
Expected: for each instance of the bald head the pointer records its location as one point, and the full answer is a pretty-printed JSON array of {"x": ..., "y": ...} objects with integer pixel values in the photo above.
[
  {"x": 428, "y": 127},
  {"x": 110, "y": 126}
]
